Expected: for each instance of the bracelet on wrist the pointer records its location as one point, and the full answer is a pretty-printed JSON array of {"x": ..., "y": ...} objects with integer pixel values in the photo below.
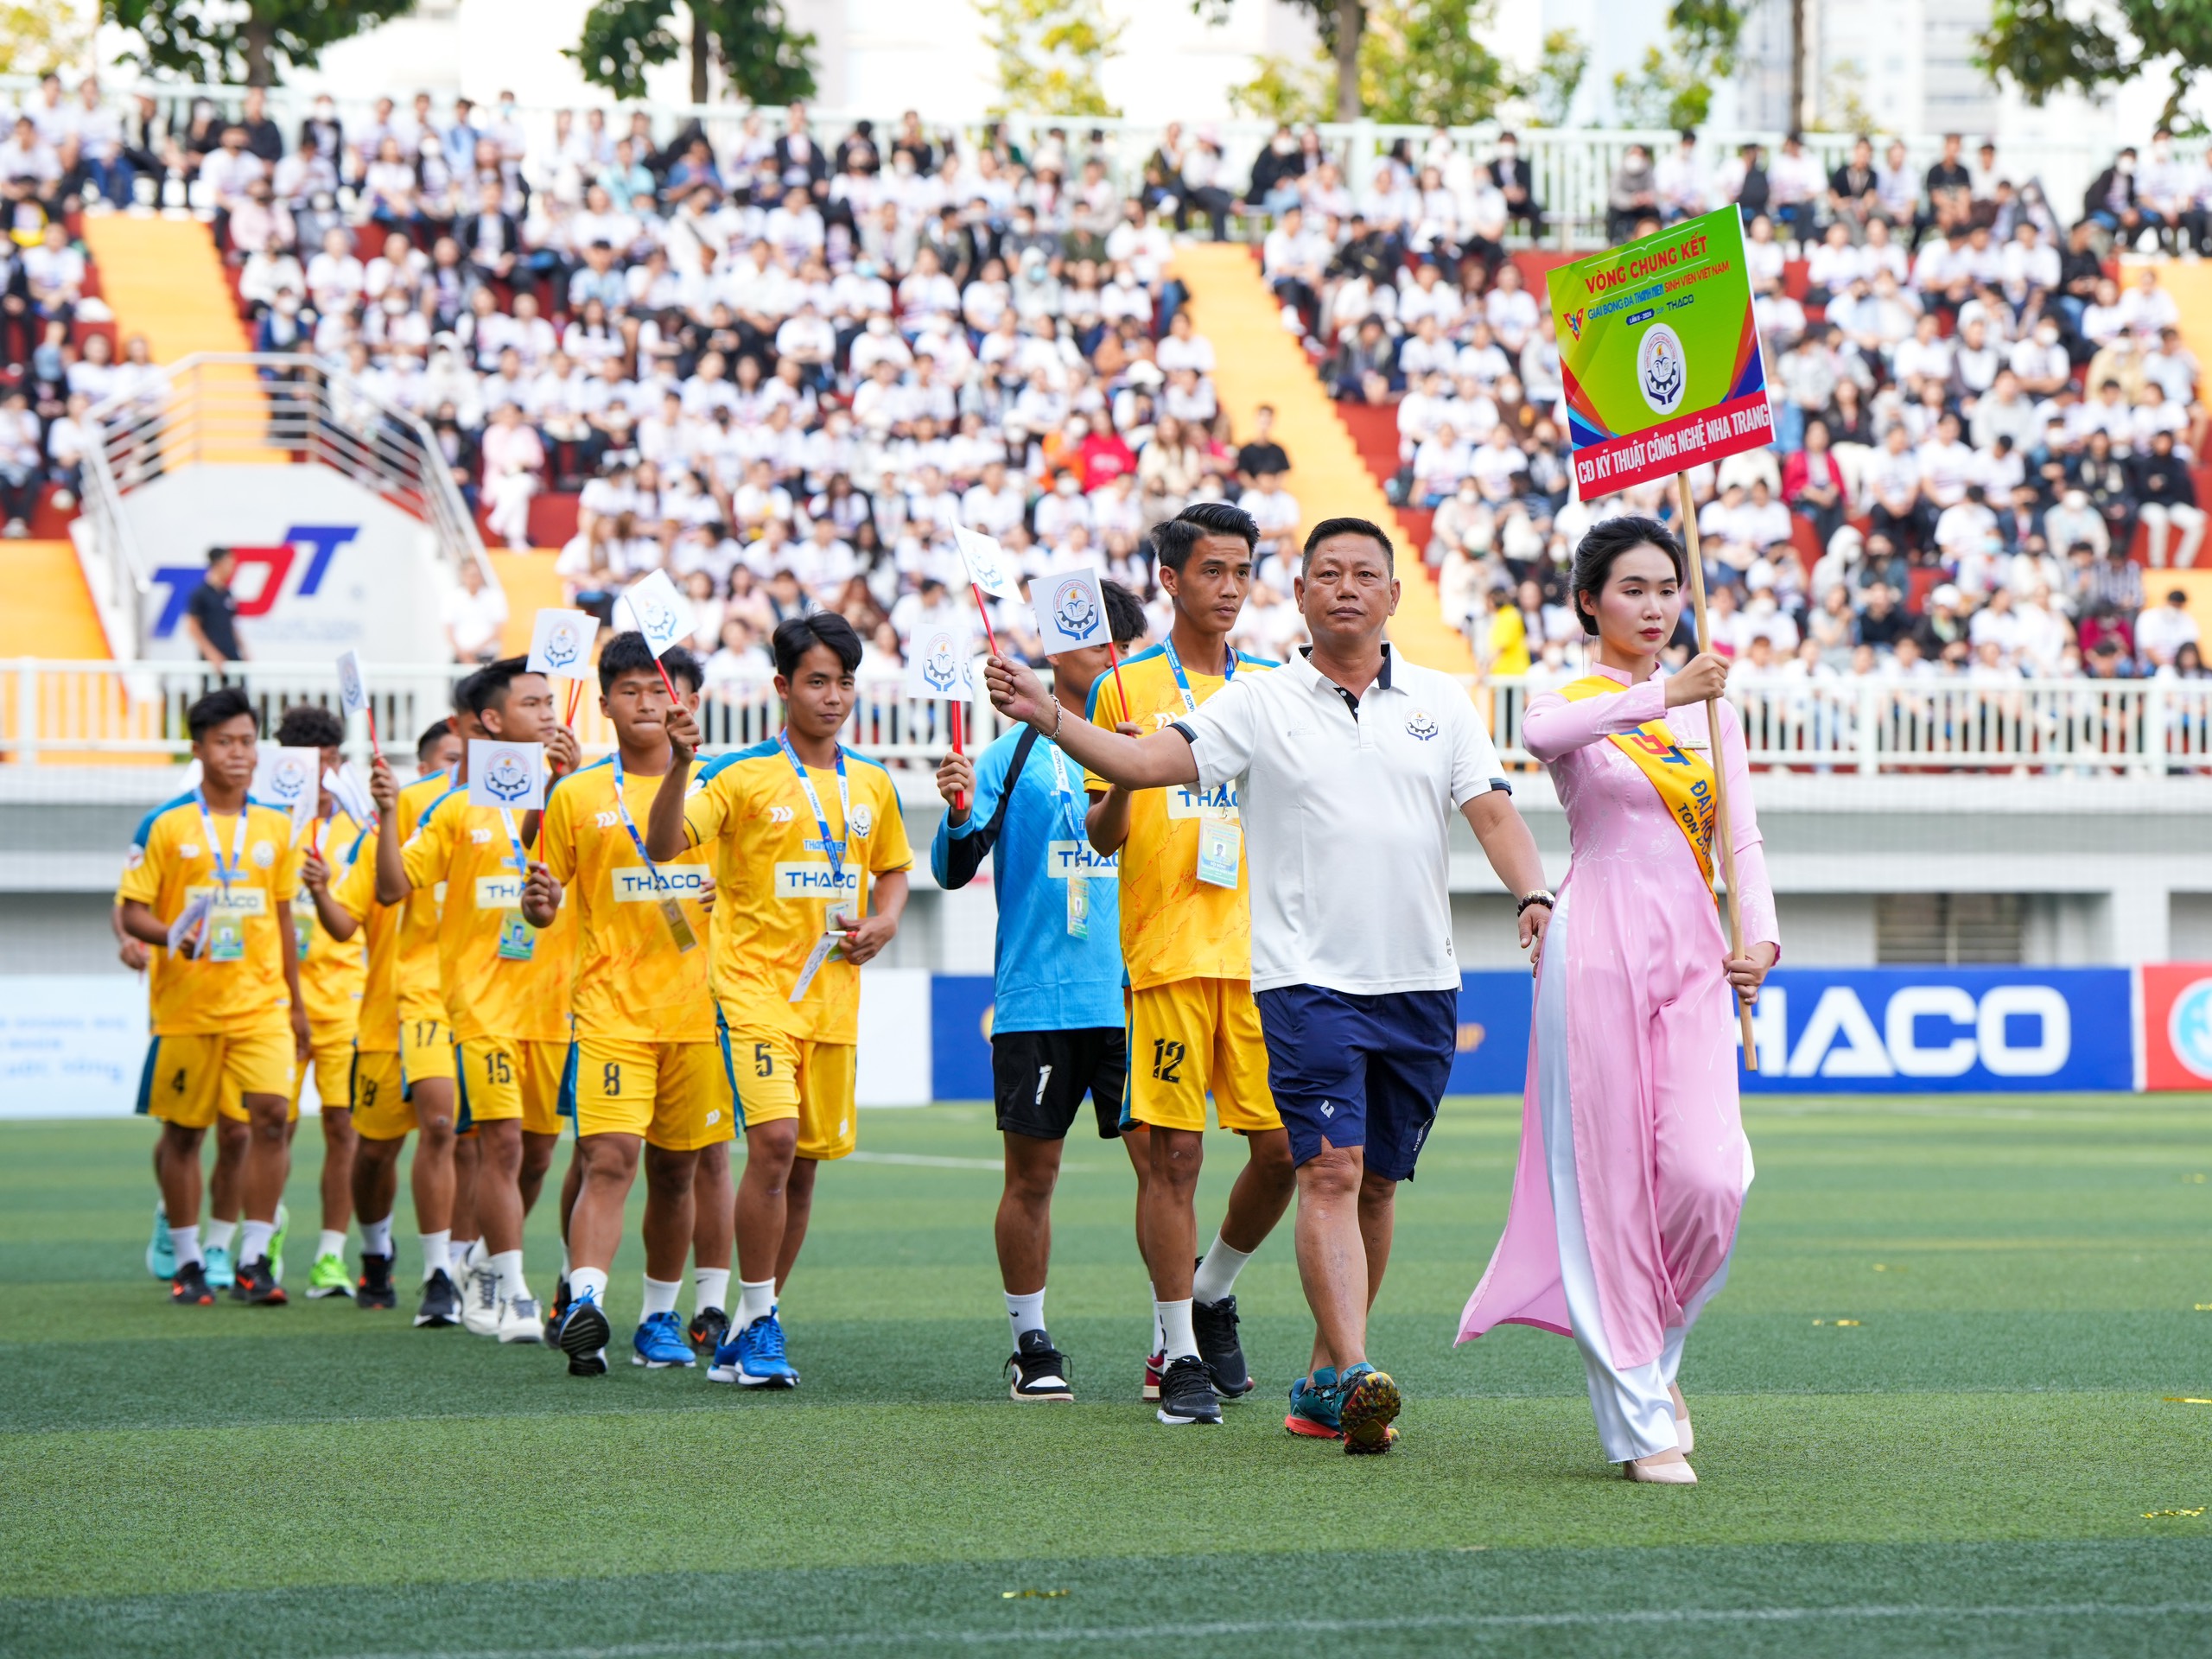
[{"x": 1541, "y": 896}]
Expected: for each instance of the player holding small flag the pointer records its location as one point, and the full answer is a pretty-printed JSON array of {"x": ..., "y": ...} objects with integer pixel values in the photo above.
[
  {"x": 1056, "y": 1020},
  {"x": 646, "y": 1068},
  {"x": 792, "y": 924}
]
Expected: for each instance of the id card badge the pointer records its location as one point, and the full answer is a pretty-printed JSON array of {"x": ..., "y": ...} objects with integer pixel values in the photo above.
[
  {"x": 815, "y": 958},
  {"x": 836, "y": 925},
  {"x": 671, "y": 910},
  {"x": 1079, "y": 905},
  {"x": 518, "y": 939},
  {"x": 1221, "y": 849},
  {"x": 225, "y": 937}
]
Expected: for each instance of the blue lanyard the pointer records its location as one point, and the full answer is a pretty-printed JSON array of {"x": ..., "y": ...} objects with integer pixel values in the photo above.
[
  {"x": 224, "y": 874},
  {"x": 833, "y": 850},
  {"x": 1066, "y": 791},
  {"x": 514, "y": 842},
  {"x": 630, "y": 823},
  {"x": 1182, "y": 680}
]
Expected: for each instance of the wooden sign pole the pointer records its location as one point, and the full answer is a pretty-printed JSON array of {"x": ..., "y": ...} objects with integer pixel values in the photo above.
[{"x": 1719, "y": 767}]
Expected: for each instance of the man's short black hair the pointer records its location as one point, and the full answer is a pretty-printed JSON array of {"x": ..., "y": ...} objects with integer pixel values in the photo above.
[
  {"x": 217, "y": 554},
  {"x": 433, "y": 735},
  {"x": 224, "y": 702},
  {"x": 464, "y": 692},
  {"x": 310, "y": 726},
  {"x": 1329, "y": 527},
  {"x": 487, "y": 686},
  {"x": 628, "y": 654},
  {"x": 796, "y": 635},
  {"x": 1173, "y": 540},
  {"x": 1124, "y": 613}
]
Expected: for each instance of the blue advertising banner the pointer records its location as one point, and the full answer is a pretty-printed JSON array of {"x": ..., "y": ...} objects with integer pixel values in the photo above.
[{"x": 1844, "y": 1031}]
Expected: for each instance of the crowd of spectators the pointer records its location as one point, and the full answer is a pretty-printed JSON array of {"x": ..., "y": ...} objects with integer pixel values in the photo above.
[{"x": 1976, "y": 410}]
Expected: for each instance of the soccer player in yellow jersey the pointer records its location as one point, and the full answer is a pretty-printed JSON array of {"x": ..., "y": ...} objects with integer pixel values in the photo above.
[
  {"x": 799, "y": 830},
  {"x": 506, "y": 984},
  {"x": 1186, "y": 943},
  {"x": 332, "y": 972},
  {"x": 404, "y": 1065},
  {"x": 227, "y": 1015},
  {"x": 647, "y": 1069}
]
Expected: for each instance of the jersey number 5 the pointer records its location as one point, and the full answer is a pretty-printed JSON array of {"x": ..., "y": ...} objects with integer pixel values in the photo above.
[{"x": 764, "y": 1060}]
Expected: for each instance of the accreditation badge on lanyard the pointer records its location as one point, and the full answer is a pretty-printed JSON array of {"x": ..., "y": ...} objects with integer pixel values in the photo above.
[
  {"x": 225, "y": 935},
  {"x": 835, "y": 852},
  {"x": 1221, "y": 843},
  {"x": 672, "y": 908},
  {"x": 1078, "y": 915},
  {"x": 518, "y": 939}
]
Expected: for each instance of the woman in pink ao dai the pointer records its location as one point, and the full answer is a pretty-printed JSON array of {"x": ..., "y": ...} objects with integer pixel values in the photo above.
[{"x": 1633, "y": 1163}]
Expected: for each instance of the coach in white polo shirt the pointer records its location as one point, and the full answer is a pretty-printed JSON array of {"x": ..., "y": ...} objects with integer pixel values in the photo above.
[{"x": 1349, "y": 763}]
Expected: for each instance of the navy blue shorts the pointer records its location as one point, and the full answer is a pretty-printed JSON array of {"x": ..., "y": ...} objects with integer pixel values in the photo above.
[{"x": 1359, "y": 1070}]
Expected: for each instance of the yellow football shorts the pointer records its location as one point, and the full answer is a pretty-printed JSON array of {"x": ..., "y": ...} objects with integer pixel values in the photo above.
[
  {"x": 676, "y": 1095},
  {"x": 333, "y": 1065},
  {"x": 188, "y": 1080},
  {"x": 381, "y": 1109},
  {"x": 425, "y": 1049},
  {"x": 511, "y": 1076},
  {"x": 1194, "y": 1037},
  {"x": 776, "y": 1075}
]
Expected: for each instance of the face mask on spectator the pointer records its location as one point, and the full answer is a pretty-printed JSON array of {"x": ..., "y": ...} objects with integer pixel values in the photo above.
[{"x": 2074, "y": 500}]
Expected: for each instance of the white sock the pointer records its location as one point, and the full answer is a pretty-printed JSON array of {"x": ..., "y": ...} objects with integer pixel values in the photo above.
[
  {"x": 755, "y": 1301},
  {"x": 564, "y": 1258},
  {"x": 1159, "y": 1335},
  {"x": 253, "y": 1240},
  {"x": 1024, "y": 1313},
  {"x": 660, "y": 1296},
  {"x": 218, "y": 1234},
  {"x": 513, "y": 1288},
  {"x": 1176, "y": 1341},
  {"x": 330, "y": 1243},
  {"x": 375, "y": 1237},
  {"x": 466, "y": 1256},
  {"x": 589, "y": 1282},
  {"x": 436, "y": 1255},
  {"x": 709, "y": 1288},
  {"x": 185, "y": 1241},
  {"x": 1216, "y": 1274}
]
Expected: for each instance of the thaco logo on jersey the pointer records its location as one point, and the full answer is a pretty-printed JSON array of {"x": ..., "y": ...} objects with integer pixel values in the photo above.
[{"x": 265, "y": 574}]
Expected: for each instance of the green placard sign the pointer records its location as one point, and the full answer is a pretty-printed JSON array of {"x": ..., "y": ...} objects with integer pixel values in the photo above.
[{"x": 1660, "y": 354}]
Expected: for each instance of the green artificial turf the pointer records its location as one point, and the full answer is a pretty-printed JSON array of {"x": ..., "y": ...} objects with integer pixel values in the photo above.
[{"x": 1981, "y": 1464}]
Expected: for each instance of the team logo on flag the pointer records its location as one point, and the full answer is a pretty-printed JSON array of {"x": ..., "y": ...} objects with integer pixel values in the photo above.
[
  {"x": 1074, "y": 608},
  {"x": 287, "y": 779},
  {"x": 509, "y": 776},
  {"x": 1661, "y": 370},
  {"x": 563, "y": 645},
  {"x": 1421, "y": 725},
  {"x": 939, "y": 667}
]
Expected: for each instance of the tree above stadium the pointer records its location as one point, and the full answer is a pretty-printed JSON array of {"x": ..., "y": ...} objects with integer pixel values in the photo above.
[
  {"x": 764, "y": 58},
  {"x": 220, "y": 42}
]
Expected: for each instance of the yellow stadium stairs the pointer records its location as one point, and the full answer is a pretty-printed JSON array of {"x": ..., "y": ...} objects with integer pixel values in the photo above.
[
  {"x": 527, "y": 580},
  {"x": 1257, "y": 361},
  {"x": 50, "y": 615}
]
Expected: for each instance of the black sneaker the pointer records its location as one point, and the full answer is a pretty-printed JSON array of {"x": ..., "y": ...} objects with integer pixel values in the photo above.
[
  {"x": 582, "y": 1335},
  {"x": 374, "y": 1288},
  {"x": 1041, "y": 1370},
  {"x": 1186, "y": 1393},
  {"x": 257, "y": 1285},
  {"x": 708, "y": 1330},
  {"x": 560, "y": 1300},
  {"x": 1215, "y": 1325},
  {"x": 189, "y": 1287},
  {"x": 441, "y": 1302}
]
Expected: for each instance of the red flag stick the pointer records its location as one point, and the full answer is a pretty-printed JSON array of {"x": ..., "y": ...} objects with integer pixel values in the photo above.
[
  {"x": 989, "y": 637},
  {"x": 1115, "y": 657},
  {"x": 575, "y": 694},
  {"x": 960, "y": 799},
  {"x": 374, "y": 748}
]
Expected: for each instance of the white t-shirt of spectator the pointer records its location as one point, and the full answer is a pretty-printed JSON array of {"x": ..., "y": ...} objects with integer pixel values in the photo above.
[{"x": 1322, "y": 789}]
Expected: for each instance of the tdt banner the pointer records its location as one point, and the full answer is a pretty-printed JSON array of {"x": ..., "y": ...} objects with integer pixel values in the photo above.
[{"x": 1660, "y": 355}]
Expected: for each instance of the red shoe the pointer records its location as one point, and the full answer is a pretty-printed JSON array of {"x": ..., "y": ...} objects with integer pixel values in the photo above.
[{"x": 1153, "y": 1365}]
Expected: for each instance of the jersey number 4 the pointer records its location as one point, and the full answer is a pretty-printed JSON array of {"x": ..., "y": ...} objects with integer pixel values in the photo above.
[{"x": 1167, "y": 1060}]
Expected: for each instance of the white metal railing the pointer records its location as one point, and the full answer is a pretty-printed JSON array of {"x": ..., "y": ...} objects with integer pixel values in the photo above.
[
  {"x": 123, "y": 711},
  {"x": 1571, "y": 168}
]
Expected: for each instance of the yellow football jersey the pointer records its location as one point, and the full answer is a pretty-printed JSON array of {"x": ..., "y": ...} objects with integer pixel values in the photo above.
[
  {"x": 633, "y": 980},
  {"x": 1173, "y": 925},
  {"x": 775, "y": 886},
  {"x": 489, "y": 992},
  {"x": 333, "y": 973},
  {"x": 415, "y": 977},
  {"x": 356, "y": 894},
  {"x": 169, "y": 863}
]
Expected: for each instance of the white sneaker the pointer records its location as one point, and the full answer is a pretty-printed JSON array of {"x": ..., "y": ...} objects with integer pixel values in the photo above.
[
  {"x": 520, "y": 1321},
  {"x": 480, "y": 1304}
]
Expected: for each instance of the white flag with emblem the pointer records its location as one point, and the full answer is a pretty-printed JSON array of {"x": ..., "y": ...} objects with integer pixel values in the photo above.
[
  {"x": 286, "y": 779},
  {"x": 353, "y": 685},
  {"x": 939, "y": 663},
  {"x": 560, "y": 644},
  {"x": 662, "y": 614},
  {"x": 352, "y": 795},
  {"x": 1070, "y": 609},
  {"x": 988, "y": 568},
  {"x": 503, "y": 774}
]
